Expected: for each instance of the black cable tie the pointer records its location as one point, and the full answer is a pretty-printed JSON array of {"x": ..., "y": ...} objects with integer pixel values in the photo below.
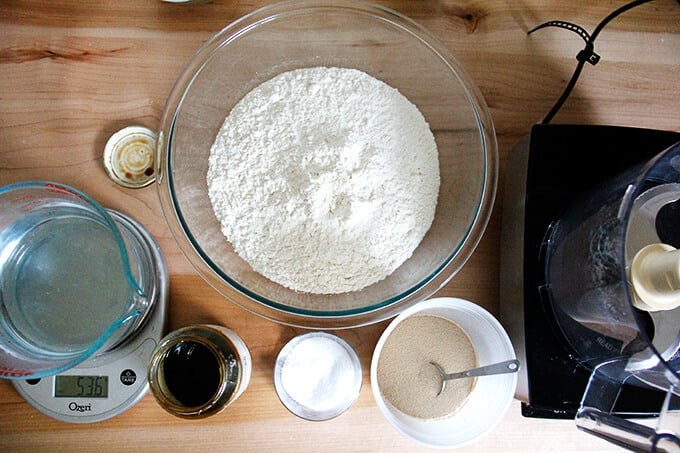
[
  {"x": 587, "y": 54},
  {"x": 567, "y": 26}
]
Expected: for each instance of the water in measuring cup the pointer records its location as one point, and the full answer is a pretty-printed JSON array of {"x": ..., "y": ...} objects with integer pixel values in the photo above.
[{"x": 63, "y": 282}]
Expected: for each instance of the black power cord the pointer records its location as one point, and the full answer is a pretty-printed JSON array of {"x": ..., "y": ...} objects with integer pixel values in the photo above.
[{"x": 587, "y": 54}]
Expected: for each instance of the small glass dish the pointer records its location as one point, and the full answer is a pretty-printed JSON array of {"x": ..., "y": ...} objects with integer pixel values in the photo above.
[{"x": 326, "y": 379}]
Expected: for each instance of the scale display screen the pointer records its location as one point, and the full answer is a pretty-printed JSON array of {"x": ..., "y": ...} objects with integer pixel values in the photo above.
[{"x": 81, "y": 386}]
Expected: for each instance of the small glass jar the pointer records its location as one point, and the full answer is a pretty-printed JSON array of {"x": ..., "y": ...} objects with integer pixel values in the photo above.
[{"x": 199, "y": 370}]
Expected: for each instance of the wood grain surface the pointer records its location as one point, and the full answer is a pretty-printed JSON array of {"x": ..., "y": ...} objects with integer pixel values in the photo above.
[{"x": 73, "y": 72}]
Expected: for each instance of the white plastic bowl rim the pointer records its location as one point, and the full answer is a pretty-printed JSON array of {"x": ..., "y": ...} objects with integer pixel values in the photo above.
[{"x": 492, "y": 395}]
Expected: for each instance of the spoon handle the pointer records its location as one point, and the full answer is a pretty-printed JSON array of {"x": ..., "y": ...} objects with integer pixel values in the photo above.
[{"x": 509, "y": 366}]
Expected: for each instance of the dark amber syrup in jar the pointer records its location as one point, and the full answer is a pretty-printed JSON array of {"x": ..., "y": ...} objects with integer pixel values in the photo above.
[{"x": 192, "y": 373}]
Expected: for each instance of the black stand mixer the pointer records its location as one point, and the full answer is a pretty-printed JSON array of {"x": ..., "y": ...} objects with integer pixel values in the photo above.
[{"x": 577, "y": 330}]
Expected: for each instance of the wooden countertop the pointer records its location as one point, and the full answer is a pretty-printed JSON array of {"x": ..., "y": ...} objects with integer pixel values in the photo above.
[{"x": 73, "y": 72}]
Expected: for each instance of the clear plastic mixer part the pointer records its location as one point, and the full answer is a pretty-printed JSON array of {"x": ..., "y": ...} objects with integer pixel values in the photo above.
[{"x": 643, "y": 229}]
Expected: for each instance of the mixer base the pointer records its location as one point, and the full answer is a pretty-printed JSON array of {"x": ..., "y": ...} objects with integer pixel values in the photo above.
[{"x": 558, "y": 162}]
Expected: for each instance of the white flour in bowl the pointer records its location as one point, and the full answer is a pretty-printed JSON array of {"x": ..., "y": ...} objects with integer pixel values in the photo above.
[{"x": 324, "y": 180}]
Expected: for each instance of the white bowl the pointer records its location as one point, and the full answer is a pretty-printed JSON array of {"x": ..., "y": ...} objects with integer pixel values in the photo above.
[{"x": 490, "y": 397}]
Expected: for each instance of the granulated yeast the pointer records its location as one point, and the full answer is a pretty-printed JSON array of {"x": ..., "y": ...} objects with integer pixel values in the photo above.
[
  {"x": 324, "y": 180},
  {"x": 407, "y": 379}
]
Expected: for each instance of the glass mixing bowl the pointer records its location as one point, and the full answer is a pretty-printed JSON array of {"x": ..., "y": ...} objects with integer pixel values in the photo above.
[{"x": 298, "y": 34}]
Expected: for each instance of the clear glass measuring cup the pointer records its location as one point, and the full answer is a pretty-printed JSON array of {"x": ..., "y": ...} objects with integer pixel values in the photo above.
[{"x": 66, "y": 286}]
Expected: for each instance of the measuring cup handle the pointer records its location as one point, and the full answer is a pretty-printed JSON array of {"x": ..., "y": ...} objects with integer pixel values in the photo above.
[{"x": 595, "y": 413}]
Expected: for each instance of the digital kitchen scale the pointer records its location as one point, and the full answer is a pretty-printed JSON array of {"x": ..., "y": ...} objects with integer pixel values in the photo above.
[{"x": 112, "y": 381}]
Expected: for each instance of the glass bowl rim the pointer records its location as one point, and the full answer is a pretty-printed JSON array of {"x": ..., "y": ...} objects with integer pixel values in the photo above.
[{"x": 305, "y": 317}]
